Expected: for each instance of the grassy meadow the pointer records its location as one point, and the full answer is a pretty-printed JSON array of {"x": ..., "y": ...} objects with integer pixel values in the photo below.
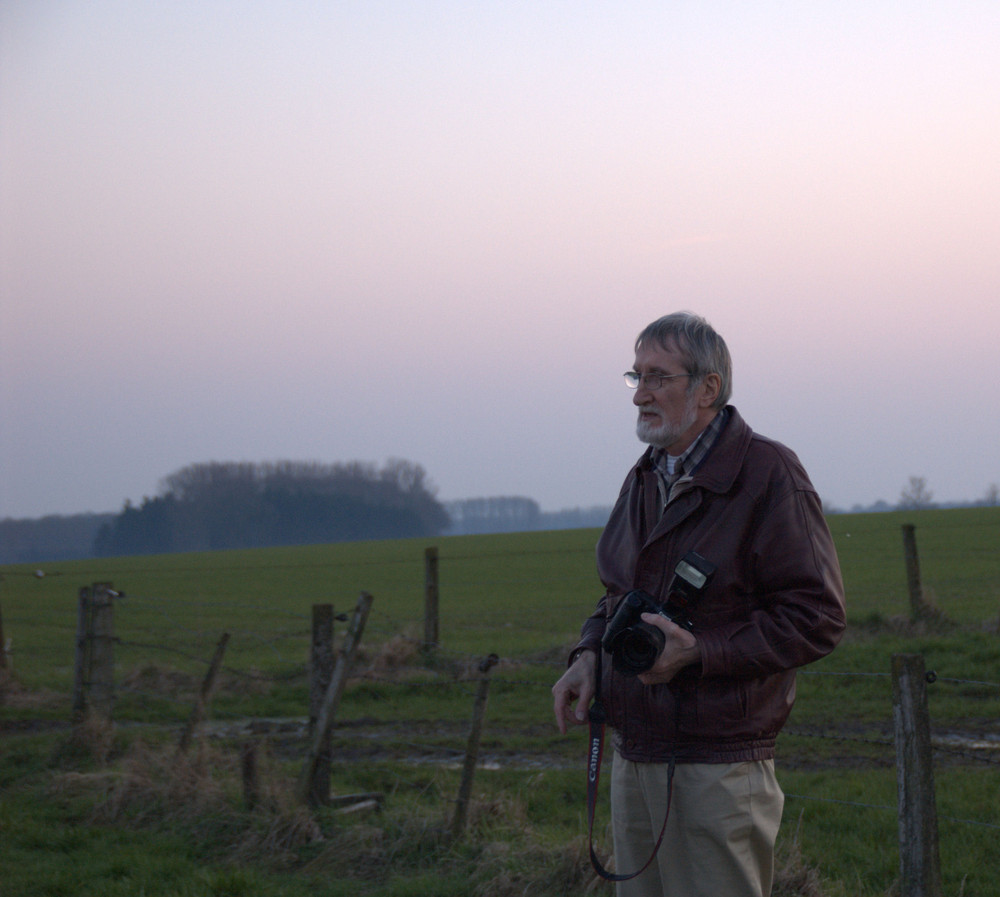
[{"x": 116, "y": 811}]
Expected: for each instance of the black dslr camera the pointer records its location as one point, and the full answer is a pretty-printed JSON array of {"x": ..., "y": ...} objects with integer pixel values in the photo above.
[{"x": 633, "y": 644}]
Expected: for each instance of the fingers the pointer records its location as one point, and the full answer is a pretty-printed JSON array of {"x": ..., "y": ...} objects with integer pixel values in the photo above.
[
  {"x": 572, "y": 694},
  {"x": 564, "y": 694},
  {"x": 560, "y": 707}
]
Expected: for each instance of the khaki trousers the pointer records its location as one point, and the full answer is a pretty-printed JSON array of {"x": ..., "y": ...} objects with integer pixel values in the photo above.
[{"x": 719, "y": 841}]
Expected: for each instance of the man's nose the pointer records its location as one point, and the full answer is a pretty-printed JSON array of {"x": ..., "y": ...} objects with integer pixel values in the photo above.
[{"x": 642, "y": 395}]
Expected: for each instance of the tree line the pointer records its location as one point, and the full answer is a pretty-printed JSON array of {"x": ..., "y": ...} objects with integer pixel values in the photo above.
[
  {"x": 517, "y": 514},
  {"x": 226, "y": 505},
  {"x": 51, "y": 538},
  {"x": 151, "y": 528},
  {"x": 204, "y": 507}
]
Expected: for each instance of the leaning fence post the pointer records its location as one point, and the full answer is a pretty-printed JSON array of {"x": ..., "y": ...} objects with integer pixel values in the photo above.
[
  {"x": 332, "y": 697},
  {"x": 431, "y": 633},
  {"x": 320, "y": 672},
  {"x": 917, "y": 605},
  {"x": 919, "y": 856},
  {"x": 472, "y": 748},
  {"x": 207, "y": 687}
]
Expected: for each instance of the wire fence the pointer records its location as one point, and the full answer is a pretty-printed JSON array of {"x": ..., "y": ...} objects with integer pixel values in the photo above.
[{"x": 281, "y": 659}]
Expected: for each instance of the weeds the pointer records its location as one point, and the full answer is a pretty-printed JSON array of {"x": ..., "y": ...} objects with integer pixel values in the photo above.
[{"x": 794, "y": 876}]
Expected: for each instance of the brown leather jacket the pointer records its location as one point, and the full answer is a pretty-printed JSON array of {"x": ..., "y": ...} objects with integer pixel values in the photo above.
[{"x": 774, "y": 603}]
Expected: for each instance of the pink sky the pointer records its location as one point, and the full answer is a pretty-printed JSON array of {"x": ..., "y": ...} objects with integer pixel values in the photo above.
[{"x": 264, "y": 231}]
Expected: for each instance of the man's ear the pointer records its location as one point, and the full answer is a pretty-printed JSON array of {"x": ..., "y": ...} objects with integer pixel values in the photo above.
[{"x": 711, "y": 386}]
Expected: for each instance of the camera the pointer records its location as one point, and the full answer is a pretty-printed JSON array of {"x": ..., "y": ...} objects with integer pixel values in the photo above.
[{"x": 634, "y": 644}]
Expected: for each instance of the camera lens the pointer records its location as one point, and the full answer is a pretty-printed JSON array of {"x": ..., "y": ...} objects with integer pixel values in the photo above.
[{"x": 636, "y": 648}]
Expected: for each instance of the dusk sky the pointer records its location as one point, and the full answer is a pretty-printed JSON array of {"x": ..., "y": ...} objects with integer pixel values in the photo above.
[{"x": 342, "y": 231}]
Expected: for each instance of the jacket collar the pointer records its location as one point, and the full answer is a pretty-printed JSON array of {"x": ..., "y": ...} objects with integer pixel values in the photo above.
[{"x": 723, "y": 463}]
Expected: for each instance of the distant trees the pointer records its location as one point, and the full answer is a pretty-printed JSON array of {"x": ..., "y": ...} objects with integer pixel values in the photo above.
[
  {"x": 51, "y": 538},
  {"x": 503, "y": 514},
  {"x": 515, "y": 513},
  {"x": 916, "y": 495},
  {"x": 215, "y": 506}
]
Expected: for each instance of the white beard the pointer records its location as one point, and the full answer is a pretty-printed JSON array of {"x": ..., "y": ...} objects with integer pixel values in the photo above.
[{"x": 665, "y": 433}]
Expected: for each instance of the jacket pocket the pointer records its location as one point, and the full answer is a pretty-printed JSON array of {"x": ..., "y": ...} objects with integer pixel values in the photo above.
[{"x": 721, "y": 705}]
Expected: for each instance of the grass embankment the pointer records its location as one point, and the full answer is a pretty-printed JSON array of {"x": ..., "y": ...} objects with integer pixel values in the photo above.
[{"x": 117, "y": 812}]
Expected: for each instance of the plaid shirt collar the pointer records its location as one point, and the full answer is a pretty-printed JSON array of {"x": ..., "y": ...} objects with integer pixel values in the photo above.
[{"x": 688, "y": 462}]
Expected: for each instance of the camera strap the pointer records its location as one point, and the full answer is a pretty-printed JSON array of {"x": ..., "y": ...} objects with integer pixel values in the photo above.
[{"x": 597, "y": 719}]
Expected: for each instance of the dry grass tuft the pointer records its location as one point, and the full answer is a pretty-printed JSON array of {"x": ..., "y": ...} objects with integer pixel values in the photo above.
[
  {"x": 279, "y": 837},
  {"x": 402, "y": 657},
  {"x": 931, "y": 617},
  {"x": 154, "y": 679},
  {"x": 359, "y": 851},
  {"x": 160, "y": 785},
  {"x": 200, "y": 791},
  {"x": 506, "y": 871},
  {"x": 400, "y": 652},
  {"x": 793, "y": 876},
  {"x": 499, "y": 812},
  {"x": 93, "y": 736},
  {"x": 14, "y": 695}
]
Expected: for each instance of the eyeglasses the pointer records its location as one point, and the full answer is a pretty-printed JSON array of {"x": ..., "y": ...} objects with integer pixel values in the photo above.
[{"x": 650, "y": 381}]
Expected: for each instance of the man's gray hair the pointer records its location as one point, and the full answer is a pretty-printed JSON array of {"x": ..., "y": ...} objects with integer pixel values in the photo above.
[{"x": 703, "y": 350}]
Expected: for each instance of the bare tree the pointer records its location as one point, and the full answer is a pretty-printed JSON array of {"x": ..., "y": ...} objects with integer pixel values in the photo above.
[
  {"x": 916, "y": 495},
  {"x": 992, "y": 496}
]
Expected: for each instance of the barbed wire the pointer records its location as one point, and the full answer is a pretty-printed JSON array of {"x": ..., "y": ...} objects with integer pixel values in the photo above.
[
  {"x": 968, "y": 682},
  {"x": 978, "y": 822},
  {"x": 392, "y": 626},
  {"x": 865, "y": 806},
  {"x": 988, "y": 761},
  {"x": 935, "y": 679},
  {"x": 835, "y": 800}
]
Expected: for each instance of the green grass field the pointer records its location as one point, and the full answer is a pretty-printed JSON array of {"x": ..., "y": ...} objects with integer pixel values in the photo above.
[{"x": 115, "y": 812}]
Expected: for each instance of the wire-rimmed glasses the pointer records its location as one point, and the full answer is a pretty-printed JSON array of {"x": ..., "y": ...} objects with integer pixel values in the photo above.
[{"x": 650, "y": 381}]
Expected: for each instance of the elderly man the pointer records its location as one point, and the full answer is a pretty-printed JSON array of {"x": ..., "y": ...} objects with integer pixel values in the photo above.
[{"x": 720, "y": 531}]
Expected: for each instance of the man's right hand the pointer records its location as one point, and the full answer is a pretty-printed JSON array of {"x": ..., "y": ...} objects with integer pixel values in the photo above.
[{"x": 575, "y": 687}]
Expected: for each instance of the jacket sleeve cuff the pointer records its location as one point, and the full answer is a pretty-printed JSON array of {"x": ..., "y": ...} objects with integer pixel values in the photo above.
[
  {"x": 578, "y": 650},
  {"x": 713, "y": 662}
]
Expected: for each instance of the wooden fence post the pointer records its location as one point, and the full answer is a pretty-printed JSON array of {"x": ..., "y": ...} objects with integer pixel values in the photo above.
[
  {"x": 918, "y": 606},
  {"x": 431, "y": 631},
  {"x": 204, "y": 696},
  {"x": 248, "y": 769},
  {"x": 97, "y": 682},
  {"x": 919, "y": 856},
  {"x": 3, "y": 643},
  {"x": 332, "y": 697},
  {"x": 472, "y": 748},
  {"x": 81, "y": 661},
  {"x": 321, "y": 660}
]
